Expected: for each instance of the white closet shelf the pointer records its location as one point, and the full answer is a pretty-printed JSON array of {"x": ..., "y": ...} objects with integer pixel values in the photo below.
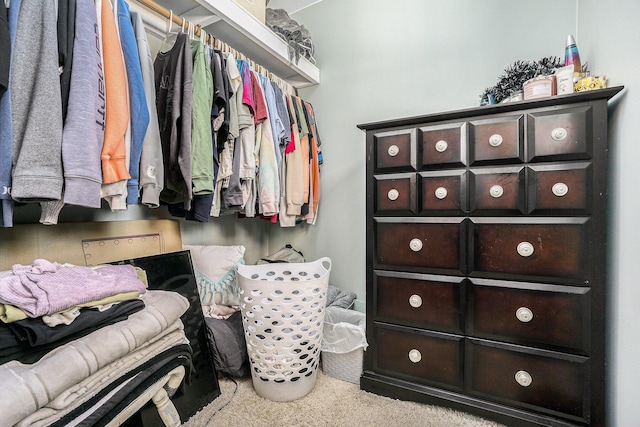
[{"x": 231, "y": 23}]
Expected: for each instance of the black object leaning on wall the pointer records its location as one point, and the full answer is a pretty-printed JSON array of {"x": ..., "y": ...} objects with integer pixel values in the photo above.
[{"x": 174, "y": 272}]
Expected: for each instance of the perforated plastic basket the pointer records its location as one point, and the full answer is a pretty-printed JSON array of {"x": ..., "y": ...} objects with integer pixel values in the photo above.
[{"x": 282, "y": 314}]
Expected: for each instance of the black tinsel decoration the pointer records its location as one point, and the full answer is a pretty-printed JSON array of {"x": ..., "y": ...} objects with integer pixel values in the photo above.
[{"x": 516, "y": 74}]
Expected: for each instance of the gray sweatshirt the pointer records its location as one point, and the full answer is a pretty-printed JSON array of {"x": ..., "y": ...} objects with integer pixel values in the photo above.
[
  {"x": 36, "y": 117},
  {"x": 84, "y": 128}
]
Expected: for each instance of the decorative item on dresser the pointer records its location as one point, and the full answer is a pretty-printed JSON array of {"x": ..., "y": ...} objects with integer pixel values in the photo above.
[{"x": 486, "y": 259}]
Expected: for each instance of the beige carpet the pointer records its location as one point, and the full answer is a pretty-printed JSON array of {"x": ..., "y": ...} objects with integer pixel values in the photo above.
[{"x": 332, "y": 402}]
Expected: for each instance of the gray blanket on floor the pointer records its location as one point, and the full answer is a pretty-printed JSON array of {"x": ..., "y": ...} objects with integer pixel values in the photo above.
[{"x": 338, "y": 298}]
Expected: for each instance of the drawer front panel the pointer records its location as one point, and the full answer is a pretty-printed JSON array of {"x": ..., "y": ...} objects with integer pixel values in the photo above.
[
  {"x": 531, "y": 317},
  {"x": 545, "y": 250},
  {"x": 425, "y": 245},
  {"x": 422, "y": 358},
  {"x": 395, "y": 150},
  {"x": 421, "y": 301},
  {"x": 560, "y": 134},
  {"x": 443, "y": 193},
  {"x": 551, "y": 384},
  {"x": 444, "y": 145},
  {"x": 499, "y": 139},
  {"x": 502, "y": 190},
  {"x": 565, "y": 187},
  {"x": 395, "y": 193}
]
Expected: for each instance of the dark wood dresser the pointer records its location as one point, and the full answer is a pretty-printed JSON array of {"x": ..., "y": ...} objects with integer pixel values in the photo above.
[{"x": 486, "y": 259}]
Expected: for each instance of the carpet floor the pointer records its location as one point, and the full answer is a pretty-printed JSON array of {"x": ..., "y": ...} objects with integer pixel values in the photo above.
[{"x": 332, "y": 402}]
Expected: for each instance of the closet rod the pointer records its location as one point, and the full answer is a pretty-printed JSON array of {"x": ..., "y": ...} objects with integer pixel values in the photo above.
[{"x": 168, "y": 14}]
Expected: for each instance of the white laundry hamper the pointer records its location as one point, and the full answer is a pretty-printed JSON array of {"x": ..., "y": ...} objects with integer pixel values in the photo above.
[{"x": 282, "y": 314}]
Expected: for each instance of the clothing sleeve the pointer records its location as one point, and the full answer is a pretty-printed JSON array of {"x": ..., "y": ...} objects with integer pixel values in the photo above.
[{"x": 36, "y": 112}]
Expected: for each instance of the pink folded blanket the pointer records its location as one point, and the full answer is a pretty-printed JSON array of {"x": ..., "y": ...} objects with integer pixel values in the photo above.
[{"x": 47, "y": 287}]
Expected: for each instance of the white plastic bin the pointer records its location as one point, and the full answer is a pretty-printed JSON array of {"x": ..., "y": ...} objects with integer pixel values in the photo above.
[
  {"x": 282, "y": 314},
  {"x": 343, "y": 344}
]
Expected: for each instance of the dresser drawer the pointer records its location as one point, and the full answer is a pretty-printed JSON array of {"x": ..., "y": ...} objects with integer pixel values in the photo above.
[
  {"x": 541, "y": 248},
  {"x": 421, "y": 300},
  {"x": 498, "y": 190},
  {"x": 444, "y": 145},
  {"x": 497, "y": 140},
  {"x": 564, "y": 187},
  {"x": 419, "y": 356},
  {"x": 560, "y": 134},
  {"x": 530, "y": 314},
  {"x": 395, "y": 150},
  {"x": 422, "y": 243},
  {"x": 395, "y": 194},
  {"x": 443, "y": 192},
  {"x": 550, "y": 382}
]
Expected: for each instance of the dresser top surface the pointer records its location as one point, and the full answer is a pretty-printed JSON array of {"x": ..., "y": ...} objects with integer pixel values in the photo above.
[{"x": 587, "y": 96}]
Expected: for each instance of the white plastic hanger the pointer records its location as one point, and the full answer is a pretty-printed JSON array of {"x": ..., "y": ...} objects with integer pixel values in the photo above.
[{"x": 169, "y": 27}]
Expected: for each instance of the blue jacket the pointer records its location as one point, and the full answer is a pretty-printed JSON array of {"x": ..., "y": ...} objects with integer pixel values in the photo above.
[{"x": 137, "y": 98}]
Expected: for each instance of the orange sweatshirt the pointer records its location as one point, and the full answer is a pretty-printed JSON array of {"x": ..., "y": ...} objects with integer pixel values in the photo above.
[
  {"x": 315, "y": 166},
  {"x": 114, "y": 161}
]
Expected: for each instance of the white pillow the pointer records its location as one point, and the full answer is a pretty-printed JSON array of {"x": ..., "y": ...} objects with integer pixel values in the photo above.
[{"x": 215, "y": 272}]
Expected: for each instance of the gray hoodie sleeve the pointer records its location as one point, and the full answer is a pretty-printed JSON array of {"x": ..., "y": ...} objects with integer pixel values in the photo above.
[{"x": 36, "y": 116}]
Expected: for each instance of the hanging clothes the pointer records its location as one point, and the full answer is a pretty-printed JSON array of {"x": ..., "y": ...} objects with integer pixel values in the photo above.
[
  {"x": 151, "y": 166},
  {"x": 196, "y": 129},
  {"x": 201, "y": 135},
  {"x": 315, "y": 163},
  {"x": 293, "y": 157},
  {"x": 5, "y": 49},
  {"x": 36, "y": 111},
  {"x": 66, "y": 39},
  {"x": 268, "y": 180},
  {"x": 173, "y": 71},
  {"x": 304, "y": 153},
  {"x": 6, "y": 202},
  {"x": 138, "y": 111},
  {"x": 117, "y": 132},
  {"x": 83, "y": 131}
]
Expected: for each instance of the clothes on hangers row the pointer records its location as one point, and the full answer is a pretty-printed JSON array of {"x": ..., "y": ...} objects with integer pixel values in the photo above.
[
  {"x": 196, "y": 129},
  {"x": 264, "y": 141}
]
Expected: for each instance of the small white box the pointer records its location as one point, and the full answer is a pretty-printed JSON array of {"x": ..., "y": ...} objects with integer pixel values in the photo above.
[{"x": 257, "y": 8}]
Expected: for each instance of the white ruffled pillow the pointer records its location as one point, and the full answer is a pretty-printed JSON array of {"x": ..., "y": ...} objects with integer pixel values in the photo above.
[{"x": 215, "y": 273}]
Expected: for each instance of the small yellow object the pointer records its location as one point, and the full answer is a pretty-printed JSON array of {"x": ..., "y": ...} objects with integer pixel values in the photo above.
[{"x": 590, "y": 83}]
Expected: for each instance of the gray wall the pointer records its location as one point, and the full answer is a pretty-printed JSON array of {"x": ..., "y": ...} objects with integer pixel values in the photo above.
[
  {"x": 608, "y": 36},
  {"x": 382, "y": 60}
]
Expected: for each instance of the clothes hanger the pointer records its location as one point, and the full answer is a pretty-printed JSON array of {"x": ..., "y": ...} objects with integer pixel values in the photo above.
[{"x": 168, "y": 27}]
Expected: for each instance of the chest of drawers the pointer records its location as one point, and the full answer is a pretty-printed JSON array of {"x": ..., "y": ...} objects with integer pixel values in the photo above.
[{"x": 486, "y": 259}]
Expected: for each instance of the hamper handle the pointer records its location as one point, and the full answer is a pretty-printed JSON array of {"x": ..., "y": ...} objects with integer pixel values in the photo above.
[{"x": 325, "y": 260}]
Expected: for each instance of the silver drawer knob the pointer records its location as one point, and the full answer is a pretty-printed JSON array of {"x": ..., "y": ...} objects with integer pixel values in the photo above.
[
  {"x": 415, "y": 356},
  {"x": 523, "y": 378},
  {"x": 393, "y": 150},
  {"x": 496, "y": 191},
  {"x": 525, "y": 249},
  {"x": 415, "y": 301},
  {"x": 441, "y": 193},
  {"x": 393, "y": 194},
  {"x": 558, "y": 134},
  {"x": 415, "y": 245},
  {"x": 441, "y": 146},
  {"x": 524, "y": 314},
  {"x": 495, "y": 140},
  {"x": 560, "y": 189}
]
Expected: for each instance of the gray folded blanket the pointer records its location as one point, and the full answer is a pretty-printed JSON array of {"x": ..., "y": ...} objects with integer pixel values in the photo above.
[{"x": 338, "y": 298}]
